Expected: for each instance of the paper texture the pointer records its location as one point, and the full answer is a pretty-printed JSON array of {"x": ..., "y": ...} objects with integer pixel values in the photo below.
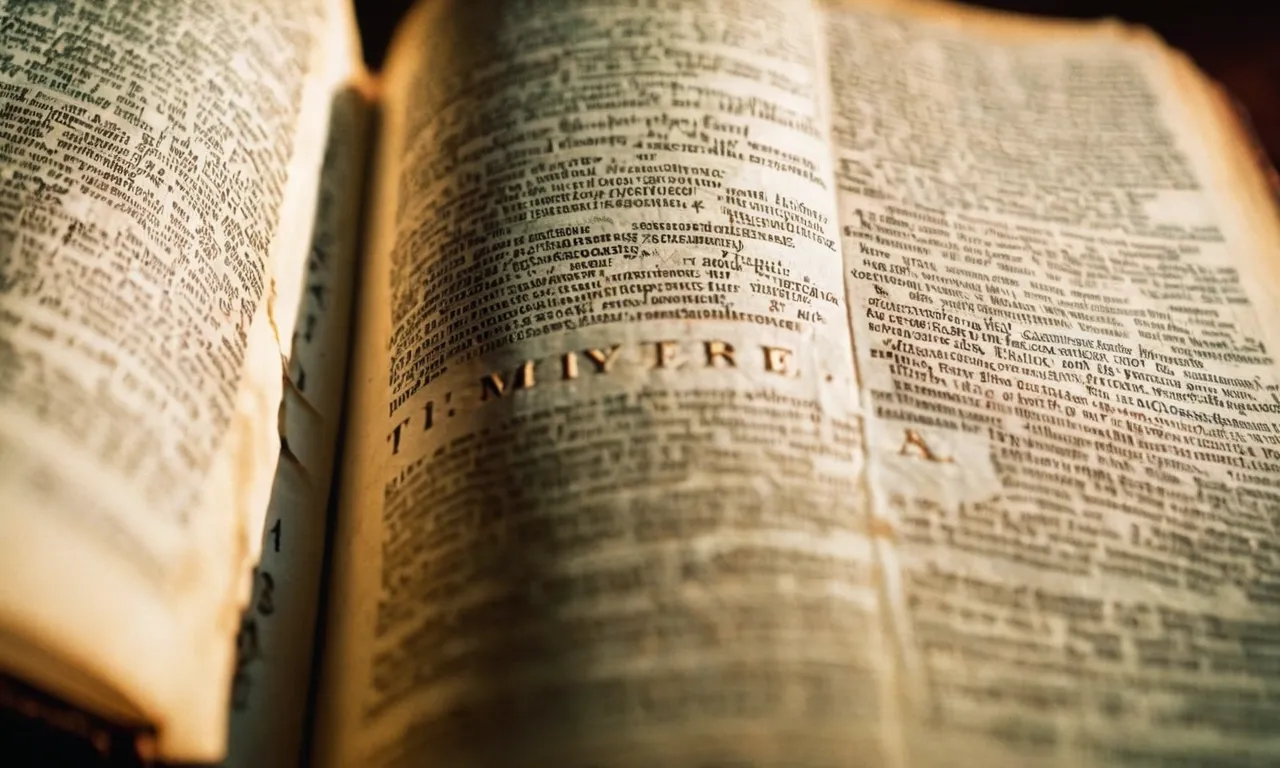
[
  {"x": 617, "y": 487},
  {"x": 738, "y": 382},
  {"x": 1065, "y": 343},
  {"x": 602, "y": 499},
  {"x": 275, "y": 643},
  {"x": 160, "y": 167}
]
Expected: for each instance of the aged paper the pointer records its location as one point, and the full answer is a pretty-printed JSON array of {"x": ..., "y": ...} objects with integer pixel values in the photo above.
[
  {"x": 160, "y": 168},
  {"x": 616, "y": 486},
  {"x": 602, "y": 497},
  {"x": 1062, "y": 295},
  {"x": 275, "y": 643}
]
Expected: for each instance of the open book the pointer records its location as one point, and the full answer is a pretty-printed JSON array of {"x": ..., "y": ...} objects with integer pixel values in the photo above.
[{"x": 732, "y": 382}]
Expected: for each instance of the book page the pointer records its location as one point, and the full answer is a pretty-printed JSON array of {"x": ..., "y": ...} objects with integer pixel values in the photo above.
[
  {"x": 602, "y": 499},
  {"x": 159, "y": 176},
  {"x": 275, "y": 644},
  {"x": 1063, "y": 283}
]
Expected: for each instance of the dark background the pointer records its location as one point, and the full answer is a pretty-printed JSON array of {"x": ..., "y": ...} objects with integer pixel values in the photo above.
[{"x": 1236, "y": 41}]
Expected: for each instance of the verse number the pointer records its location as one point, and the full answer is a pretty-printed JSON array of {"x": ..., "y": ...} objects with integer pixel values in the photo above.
[{"x": 266, "y": 603}]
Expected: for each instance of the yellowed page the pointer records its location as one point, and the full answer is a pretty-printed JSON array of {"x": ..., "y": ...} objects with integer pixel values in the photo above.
[
  {"x": 1062, "y": 279},
  {"x": 601, "y": 502},
  {"x": 159, "y": 176},
  {"x": 275, "y": 643}
]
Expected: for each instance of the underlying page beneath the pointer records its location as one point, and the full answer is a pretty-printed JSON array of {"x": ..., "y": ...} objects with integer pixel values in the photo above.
[
  {"x": 159, "y": 172},
  {"x": 272, "y": 685},
  {"x": 603, "y": 495},
  {"x": 1062, "y": 288}
]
